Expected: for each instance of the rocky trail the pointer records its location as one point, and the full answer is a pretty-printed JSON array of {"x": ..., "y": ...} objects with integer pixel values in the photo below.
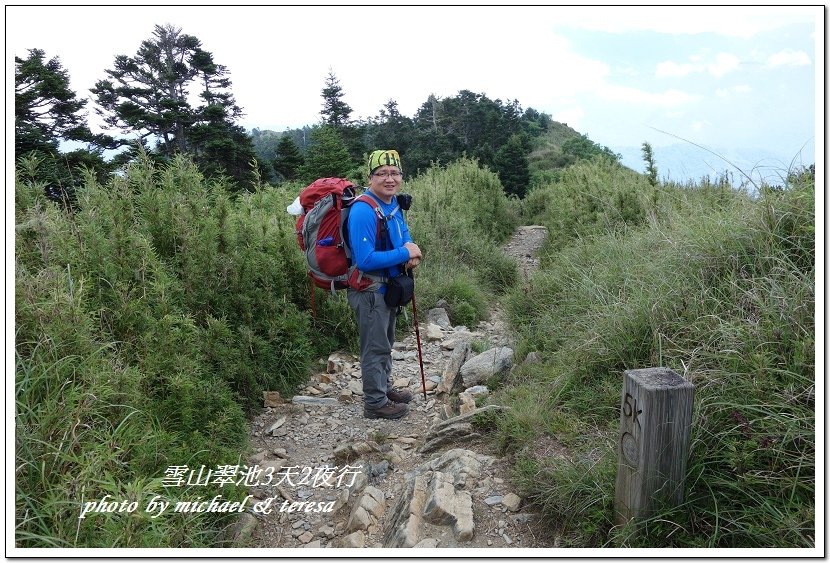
[{"x": 430, "y": 479}]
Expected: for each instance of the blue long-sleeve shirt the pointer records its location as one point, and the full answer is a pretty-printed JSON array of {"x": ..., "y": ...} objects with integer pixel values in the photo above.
[{"x": 363, "y": 226}]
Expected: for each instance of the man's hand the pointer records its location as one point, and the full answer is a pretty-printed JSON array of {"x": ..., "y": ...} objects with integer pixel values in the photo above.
[
  {"x": 415, "y": 256},
  {"x": 414, "y": 251}
]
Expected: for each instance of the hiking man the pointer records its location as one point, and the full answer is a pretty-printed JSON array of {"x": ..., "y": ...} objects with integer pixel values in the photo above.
[{"x": 382, "y": 260}]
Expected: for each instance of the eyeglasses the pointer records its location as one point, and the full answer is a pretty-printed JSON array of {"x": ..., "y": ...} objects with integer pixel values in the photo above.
[{"x": 394, "y": 174}]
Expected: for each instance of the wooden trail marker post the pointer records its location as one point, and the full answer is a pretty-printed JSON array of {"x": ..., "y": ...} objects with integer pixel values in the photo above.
[{"x": 655, "y": 428}]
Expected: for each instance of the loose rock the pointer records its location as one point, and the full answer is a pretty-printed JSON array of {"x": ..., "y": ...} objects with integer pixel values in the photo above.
[
  {"x": 489, "y": 363},
  {"x": 511, "y": 501}
]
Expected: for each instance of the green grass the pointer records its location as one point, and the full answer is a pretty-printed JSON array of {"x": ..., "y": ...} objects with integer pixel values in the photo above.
[
  {"x": 711, "y": 283},
  {"x": 150, "y": 319},
  {"x": 146, "y": 319},
  {"x": 459, "y": 217}
]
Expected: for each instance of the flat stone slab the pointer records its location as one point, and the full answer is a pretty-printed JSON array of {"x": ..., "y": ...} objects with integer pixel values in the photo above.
[{"x": 320, "y": 401}]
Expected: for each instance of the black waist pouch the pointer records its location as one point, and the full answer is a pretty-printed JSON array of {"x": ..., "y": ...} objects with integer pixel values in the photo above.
[{"x": 399, "y": 291}]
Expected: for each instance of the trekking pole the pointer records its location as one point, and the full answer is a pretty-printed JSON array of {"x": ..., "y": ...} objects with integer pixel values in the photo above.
[{"x": 418, "y": 337}]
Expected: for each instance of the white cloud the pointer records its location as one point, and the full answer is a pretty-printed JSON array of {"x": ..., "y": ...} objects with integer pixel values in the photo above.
[
  {"x": 670, "y": 69},
  {"x": 279, "y": 57},
  {"x": 723, "y": 64},
  {"x": 732, "y": 21},
  {"x": 788, "y": 57},
  {"x": 669, "y": 98},
  {"x": 727, "y": 92},
  {"x": 698, "y": 126},
  {"x": 571, "y": 117}
]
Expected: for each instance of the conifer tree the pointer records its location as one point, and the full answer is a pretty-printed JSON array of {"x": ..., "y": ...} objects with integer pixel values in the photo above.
[
  {"x": 335, "y": 111},
  {"x": 289, "y": 159},
  {"x": 392, "y": 130},
  {"x": 46, "y": 109},
  {"x": 149, "y": 95},
  {"x": 327, "y": 156},
  {"x": 512, "y": 166}
]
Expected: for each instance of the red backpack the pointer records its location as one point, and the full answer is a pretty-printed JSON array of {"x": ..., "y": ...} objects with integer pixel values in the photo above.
[{"x": 322, "y": 236}]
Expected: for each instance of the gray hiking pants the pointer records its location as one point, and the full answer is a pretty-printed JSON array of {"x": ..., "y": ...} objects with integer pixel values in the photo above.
[{"x": 376, "y": 323}]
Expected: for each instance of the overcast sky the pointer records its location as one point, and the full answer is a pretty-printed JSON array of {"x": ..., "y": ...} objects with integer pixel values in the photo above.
[{"x": 723, "y": 77}]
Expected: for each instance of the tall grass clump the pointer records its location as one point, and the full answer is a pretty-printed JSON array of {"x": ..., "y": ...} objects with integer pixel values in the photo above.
[
  {"x": 459, "y": 217},
  {"x": 241, "y": 274},
  {"x": 110, "y": 386},
  {"x": 715, "y": 284},
  {"x": 150, "y": 317},
  {"x": 590, "y": 197}
]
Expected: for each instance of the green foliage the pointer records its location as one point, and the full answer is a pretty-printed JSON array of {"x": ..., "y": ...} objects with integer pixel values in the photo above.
[
  {"x": 335, "y": 112},
  {"x": 512, "y": 166},
  {"x": 148, "y": 321},
  {"x": 593, "y": 196},
  {"x": 288, "y": 159},
  {"x": 583, "y": 148},
  {"x": 466, "y": 303},
  {"x": 459, "y": 216},
  {"x": 153, "y": 308},
  {"x": 390, "y": 129},
  {"x": 222, "y": 148},
  {"x": 110, "y": 386},
  {"x": 716, "y": 285},
  {"x": 327, "y": 156},
  {"x": 46, "y": 109},
  {"x": 466, "y": 124},
  {"x": 583, "y": 500},
  {"x": 441, "y": 132},
  {"x": 651, "y": 167},
  {"x": 147, "y": 94},
  {"x": 334, "y": 325},
  {"x": 548, "y": 158},
  {"x": 241, "y": 274}
]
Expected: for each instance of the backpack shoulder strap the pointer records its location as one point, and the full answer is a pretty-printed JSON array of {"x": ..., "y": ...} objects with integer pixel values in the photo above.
[
  {"x": 372, "y": 202},
  {"x": 366, "y": 197},
  {"x": 381, "y": 236},
  {"x": 383, "y": 240}
]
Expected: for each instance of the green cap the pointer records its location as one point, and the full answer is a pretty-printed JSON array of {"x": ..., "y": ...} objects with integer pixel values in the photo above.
[{"x": 380, "y": 158}]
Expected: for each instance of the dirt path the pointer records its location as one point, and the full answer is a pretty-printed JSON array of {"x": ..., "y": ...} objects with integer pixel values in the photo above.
[{"x": 346, "y": 481}]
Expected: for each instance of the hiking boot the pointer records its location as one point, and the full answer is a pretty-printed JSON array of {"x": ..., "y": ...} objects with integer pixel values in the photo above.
[
  {"x": 399, "y": 395},
  {"x": 390, "y": 410}
]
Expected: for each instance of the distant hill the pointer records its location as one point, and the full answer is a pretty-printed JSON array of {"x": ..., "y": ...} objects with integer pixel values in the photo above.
[
  {"x": 680, "y": 162},
  {"x": 547, "y": 154}
]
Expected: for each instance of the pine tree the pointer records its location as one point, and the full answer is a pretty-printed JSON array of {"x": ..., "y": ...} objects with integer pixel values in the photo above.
[
  {"x": 392, "y": 130},
  {"x": 335, "y": 111},
  {"x": 149, "y": 95},
  {"x": 46, "y": 109},
  {"x": 47, "y": 112},
  {"x": 218, "y": 145},
  {"x": 512, "y": 166},
  {"x": 289, "y": 159},
  {"x": 327, "y": 156}
]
